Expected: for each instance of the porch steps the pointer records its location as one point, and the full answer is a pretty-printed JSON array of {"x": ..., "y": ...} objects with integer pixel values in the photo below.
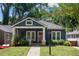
[{"x": 35, "y": 44}]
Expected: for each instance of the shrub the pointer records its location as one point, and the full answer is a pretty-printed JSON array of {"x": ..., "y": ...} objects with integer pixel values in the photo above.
[
  {"x": 24, "y": 42},
  {"x": 20, "y": 41},
  {"x": 61, "y": 42},
  {"x": 58, "y": 42},
  {"x": 54, "y": 42},
  {"x": 67, "y": 43}
]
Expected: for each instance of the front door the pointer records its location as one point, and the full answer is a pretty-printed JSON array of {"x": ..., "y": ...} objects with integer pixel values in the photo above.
[
  {"x": 31, "y": 35},
  {"x": 40, "y": 36}
]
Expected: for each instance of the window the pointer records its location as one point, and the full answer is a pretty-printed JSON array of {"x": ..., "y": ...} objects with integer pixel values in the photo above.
[
  {"x": 56, "y": 35},
  {"x": 8, "y": 35},
  {"x": 29, "y": 22},
  {"x": 28, "y": 35},
  {"x": 53, "y": 35},
  {"x": 77, "y": 35}
]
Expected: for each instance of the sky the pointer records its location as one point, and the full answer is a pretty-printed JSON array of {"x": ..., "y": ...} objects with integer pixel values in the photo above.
[
  {"x": 49, "y": 4},
  {"x": 0, "y": 15}
]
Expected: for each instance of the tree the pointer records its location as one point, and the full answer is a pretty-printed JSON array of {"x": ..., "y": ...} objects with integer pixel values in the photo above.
[
  {"x": 66, "y": 15},
  {"x": 5, "y": 7},
  {"x": 39, "y": 11}
]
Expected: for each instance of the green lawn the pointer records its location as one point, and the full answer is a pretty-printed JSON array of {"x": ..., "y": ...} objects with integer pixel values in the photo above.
[
  {"x": 14, "y": 51},
  {"x": 59, "y": 51}
]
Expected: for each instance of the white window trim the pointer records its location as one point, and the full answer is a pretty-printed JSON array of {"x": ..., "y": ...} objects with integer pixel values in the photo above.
[
  {"x": 55, "y": 34},
  {"x": 30, "y": 21},
  {"x": 34, "y": 35}
]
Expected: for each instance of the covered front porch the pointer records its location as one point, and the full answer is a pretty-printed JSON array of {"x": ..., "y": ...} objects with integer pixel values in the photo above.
[{"x": 35, "y": 35}]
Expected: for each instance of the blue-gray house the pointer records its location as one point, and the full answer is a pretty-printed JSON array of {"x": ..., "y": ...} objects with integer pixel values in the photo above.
[{"x": 37, "y": 31}]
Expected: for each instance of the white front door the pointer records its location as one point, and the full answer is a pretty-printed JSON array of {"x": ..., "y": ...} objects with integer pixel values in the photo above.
[{"x": 31, "y": 35}]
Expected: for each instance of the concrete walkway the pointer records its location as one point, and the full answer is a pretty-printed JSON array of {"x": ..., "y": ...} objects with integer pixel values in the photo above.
[{"x": 34, "y": 51}]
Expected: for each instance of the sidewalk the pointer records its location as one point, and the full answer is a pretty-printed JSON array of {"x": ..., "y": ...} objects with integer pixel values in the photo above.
[{"x": 34, "y": 51}]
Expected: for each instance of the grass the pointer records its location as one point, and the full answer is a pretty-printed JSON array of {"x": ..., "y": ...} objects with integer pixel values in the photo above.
[
  {"x": 59, "y": 51},
  {"x": 14, "y": 51}
]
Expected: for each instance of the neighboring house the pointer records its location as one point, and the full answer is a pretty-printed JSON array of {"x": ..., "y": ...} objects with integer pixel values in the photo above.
[
  {"x": 37, "y": 31},
  {"x": 73, "y": 37},
  {"x": 5, "y": 34}
]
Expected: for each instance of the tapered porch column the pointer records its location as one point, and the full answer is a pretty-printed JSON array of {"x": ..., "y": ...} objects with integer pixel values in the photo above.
[
  {"x": 43, "y": 41},
  {"x": 13, "y": 35}
]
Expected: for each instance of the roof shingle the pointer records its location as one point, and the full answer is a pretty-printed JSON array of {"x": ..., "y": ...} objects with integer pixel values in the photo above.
[{"x": 6, "y": 28}]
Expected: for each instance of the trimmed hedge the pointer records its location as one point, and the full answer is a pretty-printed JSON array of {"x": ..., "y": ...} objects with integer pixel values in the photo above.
[{"x": 60, "y": 42}]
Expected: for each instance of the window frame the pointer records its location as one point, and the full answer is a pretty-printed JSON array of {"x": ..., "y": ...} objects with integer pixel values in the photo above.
[
  {"x": 55, "y": 34},
  {"x": 29, "y": 21}
]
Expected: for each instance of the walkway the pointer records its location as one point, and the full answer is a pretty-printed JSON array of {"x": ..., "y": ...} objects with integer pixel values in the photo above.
[{"x": 34, "y": 51}]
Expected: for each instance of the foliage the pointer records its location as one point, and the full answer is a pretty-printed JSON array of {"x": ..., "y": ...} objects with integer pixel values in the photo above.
[
  {"x": 66, "y": 15},
  {"x": 24, "y": 42},
  {"x": 5, "y": 8},
  {"x": 20, "y": 42},
  {"x": 67, "y": 43},
  {"x": 58, "y": 42}
]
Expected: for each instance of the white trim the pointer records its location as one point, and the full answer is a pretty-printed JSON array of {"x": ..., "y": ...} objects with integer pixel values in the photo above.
[
  {"x": 26, "y": 19},
  {"x": 52, "y": 34},
  {"x": 4, "y": 37},
  {"x": 30, "y": 21},
  {"x": 34, "y": 35},
  {"x": 13, "y": 35},
  {"x": 43, "y": 41},
  {"x": 55, "y": 34},
  {"x": 29, "y": 27}
]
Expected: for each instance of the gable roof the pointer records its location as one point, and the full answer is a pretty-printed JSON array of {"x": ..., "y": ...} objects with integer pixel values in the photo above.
[
  {"x": 6, "y": 28},
  {"x": 51, "y": 25},
  {"x": 26, "y": 19}
]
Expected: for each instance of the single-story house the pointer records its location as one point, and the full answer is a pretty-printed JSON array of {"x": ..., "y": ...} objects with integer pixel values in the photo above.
[
  {"x": 37, "y": 31},
  {"x": 73, "y": 37},
  {"x": 5, "y": 34}
]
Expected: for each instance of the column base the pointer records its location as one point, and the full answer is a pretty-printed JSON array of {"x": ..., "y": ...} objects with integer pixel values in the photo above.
[
  {"x": 43, "y": 42},
  {"x": 29, "y": 42}
]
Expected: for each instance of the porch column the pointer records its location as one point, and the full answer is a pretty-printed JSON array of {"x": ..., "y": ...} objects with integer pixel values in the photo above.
[
  {"x": 43, "y": 41},
  {"x": 13, "y": 35}
]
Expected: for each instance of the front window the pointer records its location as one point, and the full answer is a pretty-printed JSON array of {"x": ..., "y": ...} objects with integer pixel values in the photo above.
[
  {"x": 28, "y": 35},
  {"x": 56, "y": 35},
  {"x": 53, "y": 35}
]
